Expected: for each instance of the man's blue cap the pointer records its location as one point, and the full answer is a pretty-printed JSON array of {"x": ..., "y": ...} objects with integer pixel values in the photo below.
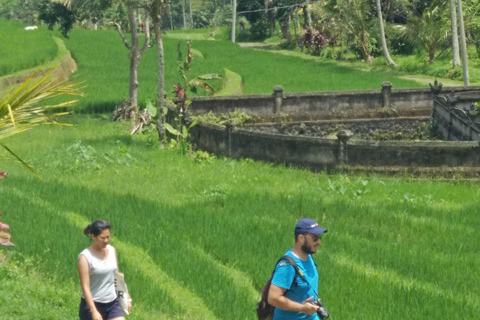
[{"x": 308, "y": 226}]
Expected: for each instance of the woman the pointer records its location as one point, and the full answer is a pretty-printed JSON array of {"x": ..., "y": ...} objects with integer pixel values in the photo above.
[{"x": 96, "y": 267}]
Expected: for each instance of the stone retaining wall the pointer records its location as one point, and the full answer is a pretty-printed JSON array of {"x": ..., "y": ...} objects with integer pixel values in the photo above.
[
  {"x": 454, "y": 115},
  {"x": 317, "y": 153},
  {"x": 329, "y": 154},
  {"x": 324, "y": 105}
]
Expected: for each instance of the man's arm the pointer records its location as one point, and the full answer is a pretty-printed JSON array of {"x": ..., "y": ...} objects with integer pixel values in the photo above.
[{"x": 276, "y": 298}]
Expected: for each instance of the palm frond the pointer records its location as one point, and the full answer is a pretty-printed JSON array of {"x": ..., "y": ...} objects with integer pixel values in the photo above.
[{"x": 24, "y": 108}]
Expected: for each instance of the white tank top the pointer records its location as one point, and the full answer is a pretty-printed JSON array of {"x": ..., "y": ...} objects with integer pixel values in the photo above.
[{"x": 102, "y": 275}]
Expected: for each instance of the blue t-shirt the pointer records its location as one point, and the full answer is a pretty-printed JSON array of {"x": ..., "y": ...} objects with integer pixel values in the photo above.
[{"x": 297, "y": 289}]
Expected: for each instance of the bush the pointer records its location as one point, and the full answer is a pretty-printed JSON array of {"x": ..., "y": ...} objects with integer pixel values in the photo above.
[{"x": 399, "y": 44}]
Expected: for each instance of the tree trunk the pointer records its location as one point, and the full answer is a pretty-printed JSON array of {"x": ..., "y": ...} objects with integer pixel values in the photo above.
[
  {"x": 455, "y": 45},
  {"x": 191, "y": 14},
  {"x": 157, "y": 20},
  {"x": 308, "y": 16},
  {"x": 285, "y": 26},
  {"x": 386, "y": 54},
  {"x": 234, "y": 20},
  {"x": 170, "y": 15},
  {"x": 364, "y": 47},
  {"x": 184, "y": 15},
  {"x": 134, "y": 57},
  {"x": 135, "y": 52},
  {"x": 466, "y": 77}
]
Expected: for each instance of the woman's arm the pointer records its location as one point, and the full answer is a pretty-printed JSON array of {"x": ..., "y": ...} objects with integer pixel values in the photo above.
[{"x": 83, "y": 272}]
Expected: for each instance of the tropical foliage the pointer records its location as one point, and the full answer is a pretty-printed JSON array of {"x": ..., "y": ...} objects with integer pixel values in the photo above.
[{"x": 27, "y": 106}]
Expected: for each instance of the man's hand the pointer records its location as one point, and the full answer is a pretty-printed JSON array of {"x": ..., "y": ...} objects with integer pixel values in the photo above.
[{"x": 309, "y": 308}]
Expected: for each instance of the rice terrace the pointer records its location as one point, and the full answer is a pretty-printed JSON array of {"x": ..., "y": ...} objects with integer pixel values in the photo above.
[{"x": 197, "y": 234}]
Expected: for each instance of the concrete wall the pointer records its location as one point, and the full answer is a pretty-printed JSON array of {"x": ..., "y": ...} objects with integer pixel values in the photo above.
[
  {"x": 326, "y": 154},
  {"x": 323, "y": 105},
  {"x": 454, "y": 115}
]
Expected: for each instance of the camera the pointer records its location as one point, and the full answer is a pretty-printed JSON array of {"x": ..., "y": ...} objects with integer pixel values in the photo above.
[{"x": 322, "y": 312}]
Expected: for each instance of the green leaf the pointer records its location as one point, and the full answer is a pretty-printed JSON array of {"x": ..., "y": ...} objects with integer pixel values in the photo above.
[
  {"x": 171, "y": 129},
  {"x": 200, "y": 83},
  {"x": 184, "y": 132},
  {"x": 151, "y": 109},
  {"x": 193, "y": 123}
]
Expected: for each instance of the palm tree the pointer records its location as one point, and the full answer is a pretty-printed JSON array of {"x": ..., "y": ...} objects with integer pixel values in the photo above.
[
  {"x": 428, "y": 28},
  {"x": 27, "y": 106},
  {"x": 386, "y": 54},
  {"x": 353, "y": 17},
  {"x": 455, "y": 44}
]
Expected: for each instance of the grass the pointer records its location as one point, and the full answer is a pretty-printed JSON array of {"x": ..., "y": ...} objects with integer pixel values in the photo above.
[
  {"x": 21, "y": 49},
  {"x": 103, "y": 65},
  {"x": 259, "y": 71},
  {"x": 197, "y": 240}
]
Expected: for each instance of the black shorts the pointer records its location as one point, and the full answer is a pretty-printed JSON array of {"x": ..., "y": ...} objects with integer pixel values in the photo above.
[{"x": 110, "y": 310}]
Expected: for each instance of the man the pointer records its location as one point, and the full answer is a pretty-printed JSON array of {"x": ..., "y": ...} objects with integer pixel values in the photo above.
[{"x": 289, "y": 293}]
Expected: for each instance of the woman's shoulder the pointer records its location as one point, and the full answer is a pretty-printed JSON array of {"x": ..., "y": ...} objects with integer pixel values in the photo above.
[
  {"x": 111, "y": 248},
  {"x": 85, "y": 252}
]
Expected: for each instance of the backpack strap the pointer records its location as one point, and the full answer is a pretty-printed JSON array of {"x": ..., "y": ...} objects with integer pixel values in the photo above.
[
  {"x": 300, "y": 273},
  {"x": 289, "y": 260},
  {"x": 292, "y": 262}
]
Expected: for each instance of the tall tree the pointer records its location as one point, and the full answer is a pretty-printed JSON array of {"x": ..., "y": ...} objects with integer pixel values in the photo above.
[
  {"x": 427, "y": 27},
  {"x": 157, "y": 8},
  {"x": 386, "y": 54},
  {"x": 455, "y": 45},
  {"x": 353, "y": 17},
  {"x": 463, "y": 43},
  {"x": 136, "y": 52}
]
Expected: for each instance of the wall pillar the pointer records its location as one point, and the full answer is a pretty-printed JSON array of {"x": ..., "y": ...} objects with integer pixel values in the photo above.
[
  {"x": 229, "y": 128},
  {"x": 386, "y": 94},
  {"x": 278, "y": 94},
  {"x": 343, "y": 136}
]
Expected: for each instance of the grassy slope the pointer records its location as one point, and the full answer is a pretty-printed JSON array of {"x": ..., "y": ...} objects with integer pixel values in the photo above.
[
  {"x": 23, "y": 49},
  {"x": 103, "y": 65},
  {"x": 199, "y": 239}
]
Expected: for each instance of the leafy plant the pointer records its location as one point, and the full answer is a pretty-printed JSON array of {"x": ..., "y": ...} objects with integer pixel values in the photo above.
[
  {"x": 203, "y": 156},
  {"x": 20, "y": 110},
  {"x": 56, "y": 13},
  {"x": 238, "y": 116},
  {"x": 182, "y": 134}
]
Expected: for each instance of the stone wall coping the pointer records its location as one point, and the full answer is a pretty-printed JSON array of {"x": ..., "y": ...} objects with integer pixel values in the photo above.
[
  {"x": 353, "y": 141},
  {"x": 340, "y": 121},
  {"x": 423, "y": 144},
  {"x": 331, "y": 93}
]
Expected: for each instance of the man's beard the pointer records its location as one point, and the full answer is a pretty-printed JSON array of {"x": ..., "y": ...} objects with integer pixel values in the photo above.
[{"x": 307, "y": 249}]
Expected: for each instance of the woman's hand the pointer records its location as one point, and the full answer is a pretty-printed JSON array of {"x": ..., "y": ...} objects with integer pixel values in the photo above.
[
  {"x": 129, "y": 306},
  {"x": 96, "y": 315}
]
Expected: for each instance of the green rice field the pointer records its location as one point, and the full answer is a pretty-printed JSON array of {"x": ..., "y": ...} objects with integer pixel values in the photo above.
[
  {"x": 198, "y": 239},
  {"x": 21, "y": 49},
  {"x": 260, "y": 71}
]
